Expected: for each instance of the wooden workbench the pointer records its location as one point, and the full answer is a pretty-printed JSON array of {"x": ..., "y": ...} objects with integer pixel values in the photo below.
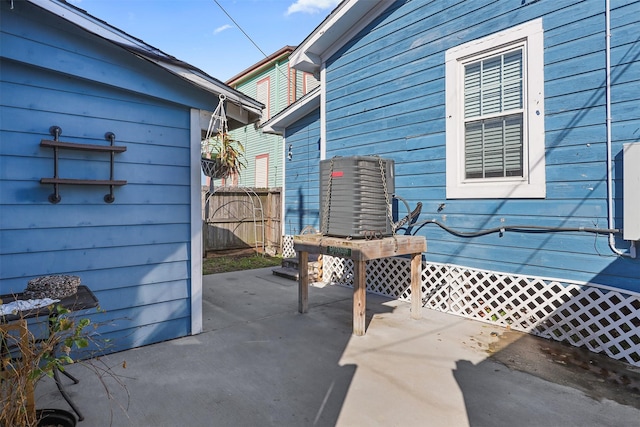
[{"x": 360, "y": 251}]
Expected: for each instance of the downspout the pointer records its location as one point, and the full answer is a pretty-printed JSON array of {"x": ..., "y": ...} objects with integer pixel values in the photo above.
[
  {"x": 283, "y": 188},
  {"x": 610, "y": 219},
  {"x": 323, "y": 109}
]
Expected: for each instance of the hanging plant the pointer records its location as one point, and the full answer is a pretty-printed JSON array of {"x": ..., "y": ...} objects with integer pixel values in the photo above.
[{"x": 222, "y": 156}]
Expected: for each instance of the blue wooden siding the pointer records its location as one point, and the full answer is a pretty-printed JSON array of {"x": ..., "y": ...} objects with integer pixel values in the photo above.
[
  {"x": 386, "y": 96},
  {"x": 135, "y": 253},
  {"x": 302, "y": 184}
]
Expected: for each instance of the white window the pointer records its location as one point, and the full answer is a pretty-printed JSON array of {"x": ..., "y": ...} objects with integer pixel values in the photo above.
[
  {"x": 262, "y": 171},
  {"x": 263, "y": 91},
  {"x": 495, "y": 116}
]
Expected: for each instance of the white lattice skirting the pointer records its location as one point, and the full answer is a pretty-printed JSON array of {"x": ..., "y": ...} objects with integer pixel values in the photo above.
[
  {"x": 287, "y": 247},
  {"x": 601, "y": 319}
]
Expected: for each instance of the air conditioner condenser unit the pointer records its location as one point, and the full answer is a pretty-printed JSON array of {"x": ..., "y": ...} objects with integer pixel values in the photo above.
[{"x": 355, "y": 196}]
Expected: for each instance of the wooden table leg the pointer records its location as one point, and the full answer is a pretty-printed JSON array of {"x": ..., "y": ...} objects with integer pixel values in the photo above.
[
  {"x": 359, "y": 297},
  {"x": 303, "y": 282},
  {"x": 416, "y": 286}
]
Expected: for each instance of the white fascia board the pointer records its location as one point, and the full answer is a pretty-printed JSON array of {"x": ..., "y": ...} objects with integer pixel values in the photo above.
[
  {"x": 293, "y": 113},
  {"x": 211, "y": 85},
  {"x": 349, "y": 18}
]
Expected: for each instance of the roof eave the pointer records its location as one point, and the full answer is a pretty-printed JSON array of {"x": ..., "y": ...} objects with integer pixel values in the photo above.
[
  {"x": 250, "y": 110},
  {"x": 260, "y": 66},
  {"x": 204, "y": 81},
  {"x": 305, "y": 105},
  {"x": 342, "y": 24}
]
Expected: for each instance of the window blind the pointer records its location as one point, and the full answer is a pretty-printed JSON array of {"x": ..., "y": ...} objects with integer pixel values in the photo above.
[
  {"x": 493, "y": 110},
  {"x": 262, "y": 95}
]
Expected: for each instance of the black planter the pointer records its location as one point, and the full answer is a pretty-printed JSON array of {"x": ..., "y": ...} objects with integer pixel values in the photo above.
[
  {"x": 213, "y": 168},
  {"x": 55, "y": 418}
]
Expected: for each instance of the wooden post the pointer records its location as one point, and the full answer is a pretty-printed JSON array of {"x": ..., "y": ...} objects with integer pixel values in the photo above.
[
  {"x": 359, "y": 297},
  {"x": 416, "y": 286},
  {"x": 303, "y": 281}
]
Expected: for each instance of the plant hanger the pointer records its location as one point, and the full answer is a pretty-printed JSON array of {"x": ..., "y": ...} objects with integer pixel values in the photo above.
[
  {"x": 228, "y": 152},
  {"x": 218, "y": 121}
]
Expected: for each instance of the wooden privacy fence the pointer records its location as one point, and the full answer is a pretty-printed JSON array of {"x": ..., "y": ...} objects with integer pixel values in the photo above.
[{"x": 242, "y": 217}]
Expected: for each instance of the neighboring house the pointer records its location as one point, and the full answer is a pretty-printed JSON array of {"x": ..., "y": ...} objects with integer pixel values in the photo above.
[
  {"x": 516, "y": 125},
  {"x": 140, "y": 249},
  {"x": 276, "y": 85},
  {"x": 300, "y": 125}
]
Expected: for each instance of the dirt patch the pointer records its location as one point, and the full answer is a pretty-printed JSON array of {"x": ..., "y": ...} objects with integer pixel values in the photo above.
[
  {"x": 237, "y": 253},
  {"x": 598, "y": 376},
  {"x": 241, "y": 259}
]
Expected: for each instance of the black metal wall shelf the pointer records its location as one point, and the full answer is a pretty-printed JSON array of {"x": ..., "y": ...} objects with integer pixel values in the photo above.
[
  {"x": 57, "y": 181},
  {"x": 82, "y": 147}
]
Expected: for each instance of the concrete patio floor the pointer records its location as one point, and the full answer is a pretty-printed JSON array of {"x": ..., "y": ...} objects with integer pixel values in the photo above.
[{"x": 261, "y": 363}]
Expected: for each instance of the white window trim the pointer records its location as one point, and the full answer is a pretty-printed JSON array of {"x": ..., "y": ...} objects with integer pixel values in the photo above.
[
  {"x": 533, "y": 185},
  {"x": 195, "y": 245}
]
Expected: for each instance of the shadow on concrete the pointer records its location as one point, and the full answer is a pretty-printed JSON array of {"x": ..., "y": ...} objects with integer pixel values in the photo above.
[
  {"x": 535, "y": 364},
  {"x": 257, "y": 362},
  {"x": 261, "y": 363}
]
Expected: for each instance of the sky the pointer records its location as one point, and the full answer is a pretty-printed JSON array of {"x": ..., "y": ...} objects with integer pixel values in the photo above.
[{"x": 200, "y": 33}]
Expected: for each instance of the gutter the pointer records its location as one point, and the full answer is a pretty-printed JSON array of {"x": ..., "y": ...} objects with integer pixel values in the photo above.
[{"x": 260, "y": 66}]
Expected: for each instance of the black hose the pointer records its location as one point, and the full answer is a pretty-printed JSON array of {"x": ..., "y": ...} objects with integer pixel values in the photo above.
[{"x": 516, "y": 228}]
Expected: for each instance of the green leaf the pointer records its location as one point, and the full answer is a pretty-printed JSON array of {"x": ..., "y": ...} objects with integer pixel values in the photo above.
[{"x": 65, "y": 359}]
